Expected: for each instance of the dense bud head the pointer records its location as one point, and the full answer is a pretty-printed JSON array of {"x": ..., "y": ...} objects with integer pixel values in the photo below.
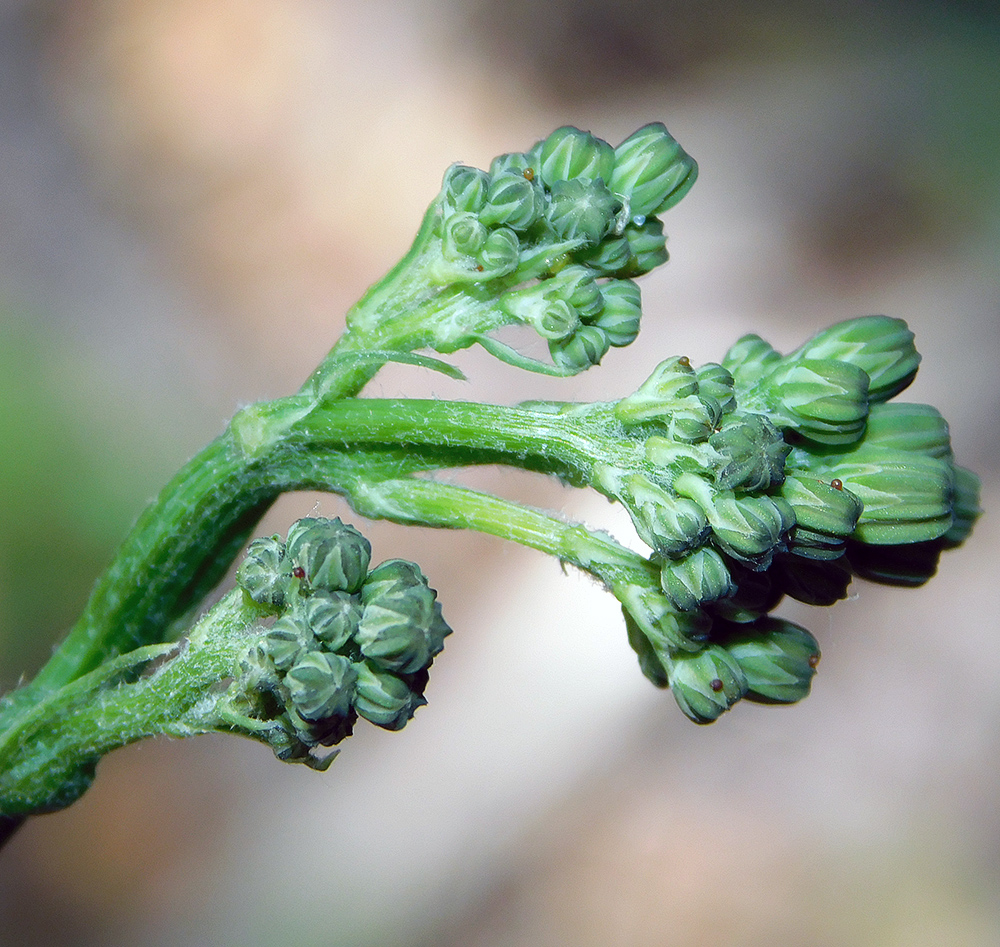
[
  {"x": 651, "y": 171},
  {"x": 907, "y": 497},
  {"x": 512, "y": 201},
  {"x": 823, "y": 400},
  {"x": 647, "y": 246},
  {"x": 621, "y": 313},
  {"x": 753, "y": 453},
  {"x": 749, "y": 359},
  {"x": 384, "y": 698},
  {"x": 820, "y": 506},
  {"x": 499, "y": 254},
  {"x": 716, "y": 382},
  {"x": 964, "y": 507},
  {"x": 701, "y": 576},
  {"x": 464, "y": 235},
  {"x": 321, "y": 685},
  {"x": 778, "y": 659},
  {"x": 570, "y": 153},
  {"x": 333, "y": 555},
  {"x": 899, "y": 426},
  {"x": 672, "y": 526},
  {"x": 583, "y": 349},
  {"x": 262, "y": 574},
  {"x": 465, "y": 188},
  {"x": 707, "y": 683},
  {"x": 582, "y": 210},
  {"x": 881, "y": 347},
  {"x": 333, "y": 617}
]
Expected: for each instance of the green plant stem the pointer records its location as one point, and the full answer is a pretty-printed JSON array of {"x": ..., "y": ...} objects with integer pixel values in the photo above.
[{"x": 48, "y": 757}]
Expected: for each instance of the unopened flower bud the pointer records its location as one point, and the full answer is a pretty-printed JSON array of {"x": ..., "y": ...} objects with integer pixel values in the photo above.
[
  {"x": 524, "y": 163},
  {"x": 465, "y": 188},
  {"x": 666, "y": 628},
  {"x": 700, "y": 576},
  {"x": 753, "y": 453},
  {"x": 333, "y": 617},
  {"x": 499, "y": 254},
  {"x": 513, "y": 201},
  {"x": 707, "y": 683},
  {"x": 964, "y": 507},
  {"x": 321, "y": 685},
  {"x": 652, "y": 171},
  {"x": 570, "y": 153},
  {"x": 582, "y": 210},
  {"x": 611, "y": 257},
  {"x": 778, "y": 659},
  {"x": 823, "y": 400},
  {"x": 584, "y": 348},
  {"x": 262, "y": 574},
  {"x": 384, "y": 698},
  {"x": 464, "y": 235},
  {"x": 898, "y": 426},
  {"x": 813, "y": 579},
  {"x": 330, "y": 554},
  {"x": 671, "y": 381},
  {"x": 621, "y": 313},
  {"x": 749, "y": 359},
  {"x": 822, "y": 506},
  {"x": 716, "y": 382},
  {"x": 670, "y": 525},
  {"x": 880, "y": 346},
  {"x": 285, "y": 641},
  {"x": 647, "y": 246}
]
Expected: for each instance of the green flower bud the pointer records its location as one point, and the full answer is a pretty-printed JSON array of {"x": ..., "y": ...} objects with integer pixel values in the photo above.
[
  {"x": 778, "y": 659},
  {"x": 824, "y": 401},
  {"x": 647, "y": 246},
  {"x": 651, "y": 171},
  {"x": 621, "y": 313},
  {"x": 321, "y": 685},
  {"x": 881, "y": 347},
  {"x": 401, "y": 627},
  {"x": 262, "y": 574},
  {"x": 391, "y": 577},
  {"x": 586, "y": 347},
  {"x": 383, "y": 698},
  {"x": 749, "y": 360},
  {"x": 285, "y": 641},
  {"x": 330, "y": 554},
  {"x": 576, "y": 284},
  {"x": 706, "y": 684},
  {"x": 666, "y": 629},
  {"x": 672, "y": 458},
  {"x": 500, "y": 253},
  {"x": 907, "y": 497},
  {"x": 570, "y": 153},
  {"x": 821, "y": 506},
  {"x": 513, "y": 201},
  {"x": 464, "y": 235},
  {"x": 333, "y": 617},
  {"x": 813, "y": 580},
  {"x": 700, "y": 576},
  {"x": 611, "y": 257},
  {"x": 671, "y": 382},
  {"x": 907, "y": 565},
  {"x": 465, "y": 188},
  {"x": 582, "y": 210},
  {"x": 558, "y": 320},
  {"x": 965, "y": 507},
  {"x": 672, "y": 526},
  {"x": 753, "y": 453},
  {"x": 716, "y": 382},
  {"x": 899, "y": 426},
  {"x": 516, "y": 162}
]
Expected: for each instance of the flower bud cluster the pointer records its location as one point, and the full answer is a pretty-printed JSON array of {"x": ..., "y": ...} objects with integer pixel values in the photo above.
[
  {"x": 572, "y": 202},
  {"x": 773, "y": 475},
  {"x": 347, "y": 641}
]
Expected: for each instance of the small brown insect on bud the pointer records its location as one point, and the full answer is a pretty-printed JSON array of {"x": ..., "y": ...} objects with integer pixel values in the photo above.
[
  {"x": 299, "y": 572},
  {"x": 716, "y": 685},
  {"x": 837, "y": 484}
]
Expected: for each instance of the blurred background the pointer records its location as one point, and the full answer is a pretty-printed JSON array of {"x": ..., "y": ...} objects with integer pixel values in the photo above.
[{"x": 192, "y": 192}]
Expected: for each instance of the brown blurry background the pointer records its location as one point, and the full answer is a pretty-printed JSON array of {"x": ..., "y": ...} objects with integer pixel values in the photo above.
[{"x": 192, "y": 192}]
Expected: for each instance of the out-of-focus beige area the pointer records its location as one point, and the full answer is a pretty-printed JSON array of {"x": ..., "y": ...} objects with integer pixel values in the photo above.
[{"x": 192, "y": 192}]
